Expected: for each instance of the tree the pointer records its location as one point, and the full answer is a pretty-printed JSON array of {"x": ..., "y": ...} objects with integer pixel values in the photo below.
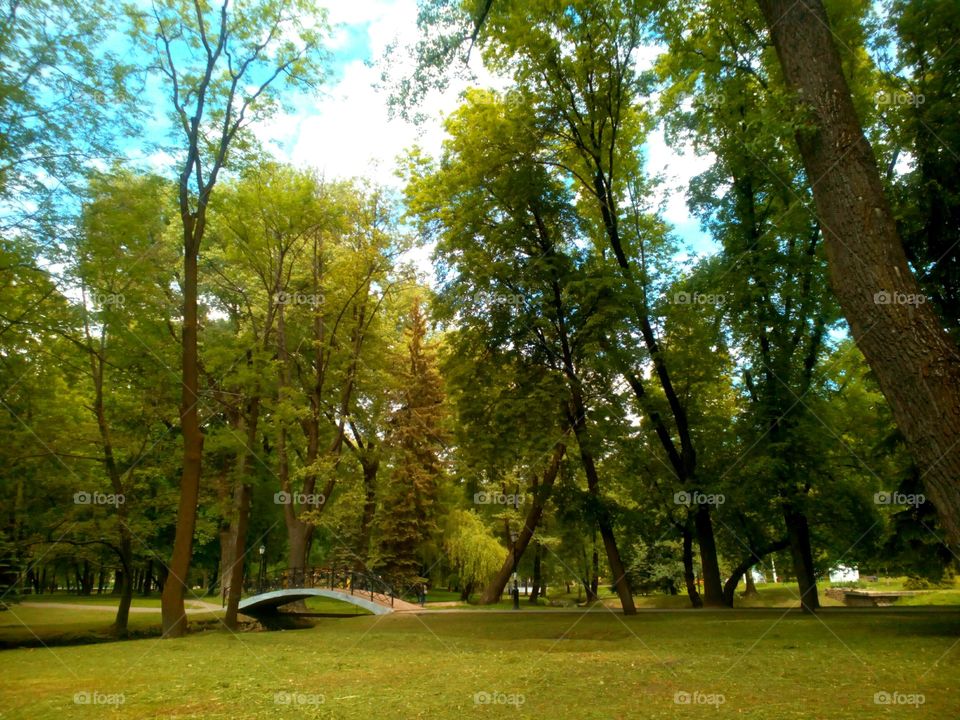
[
  {"x": 526, "y": 290},
  {"x": 223, "y": 69},
  {"x": 123, "y": 305},
  {"x": 915, "y": 360},
  {"x": 65, "y": 100},
  {"x": 409, "y": 516},
  {"x": 471, "y": 549}
]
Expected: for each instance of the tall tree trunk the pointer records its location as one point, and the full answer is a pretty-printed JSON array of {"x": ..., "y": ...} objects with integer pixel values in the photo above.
[
  {"x": 710, "y": 566},
  {"x": 617, "y": 568},
  {"x": 689, "y": 576},
  {"x": 798, "y": 530},
  {"x": 226, "y": 496},
  {"x": 751, "y": 588},
  {"x": 173, "y": 613},
  {"x": 125, "y": 579},
  {"x": 239, "y": 554},
  {"x": 244, "y": 496},
  {"x": 594, "y": 591},
  {"x": 370, "y": 464},
  {"x": 916, "y": 363},
  {"x": 494, "y": 589},
  {"x": 97, "y": 363},
  {"x": 537, "y": 576}
]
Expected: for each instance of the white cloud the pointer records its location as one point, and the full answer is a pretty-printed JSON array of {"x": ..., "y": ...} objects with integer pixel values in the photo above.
[
  {"x": 677, "y": 166},
  {"x": 347, "y": 131}
]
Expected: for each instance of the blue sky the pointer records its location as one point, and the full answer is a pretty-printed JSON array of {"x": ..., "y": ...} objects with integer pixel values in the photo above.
[{"x": 346, "y": 131}]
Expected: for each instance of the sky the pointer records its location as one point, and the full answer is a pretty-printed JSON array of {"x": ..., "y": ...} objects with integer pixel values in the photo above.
[{"x": 347, "y": 132}]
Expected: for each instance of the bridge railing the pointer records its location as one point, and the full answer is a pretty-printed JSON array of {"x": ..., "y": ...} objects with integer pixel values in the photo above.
[{"x": 357, "y": 583}]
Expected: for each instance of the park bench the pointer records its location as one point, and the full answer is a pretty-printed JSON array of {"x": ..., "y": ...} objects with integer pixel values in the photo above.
[{"x": 870, "y": 598}]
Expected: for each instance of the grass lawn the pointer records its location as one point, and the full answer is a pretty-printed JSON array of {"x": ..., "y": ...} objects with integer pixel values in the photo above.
[
  {"x": 60, "y": 626},
  {"x": 338, "y": 607},
  {"x": 764, "y": 664},
  {"x": 152, "y": 601}
]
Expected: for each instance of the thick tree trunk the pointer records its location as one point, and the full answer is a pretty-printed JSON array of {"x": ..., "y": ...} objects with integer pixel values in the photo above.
[
  {"x": 494, "y": 589},
  {"x": 750, "y": 589},
  {"x": 915, "y": 361},
  {"x": 710, "y": 567},
  {"x": 371, "y": 465},
  {"x": 537, "y": 576},
  {"x": 689, "y": 576},
  {"x": 125, "y": 579},
  {"x": 297, "y": 550},
  {"x": 174, "y": 616},
  {"x": 798, "y": 531},
  {"x": 577, "y": 420}
]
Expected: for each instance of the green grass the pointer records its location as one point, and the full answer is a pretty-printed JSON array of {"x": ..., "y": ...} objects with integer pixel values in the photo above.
[
  {"x": 766, "y": 664},
  {"x": 35, "y": 625},
  {"x": 329, "y": 605},
  {"x": 152, "y": 601}
]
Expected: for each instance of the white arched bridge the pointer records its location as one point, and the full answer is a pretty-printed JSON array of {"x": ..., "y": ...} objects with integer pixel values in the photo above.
[{"x": 370, "y": 592}]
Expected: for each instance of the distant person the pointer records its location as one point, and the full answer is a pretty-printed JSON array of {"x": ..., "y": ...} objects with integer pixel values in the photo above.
[{"x": 423, "y": 594}]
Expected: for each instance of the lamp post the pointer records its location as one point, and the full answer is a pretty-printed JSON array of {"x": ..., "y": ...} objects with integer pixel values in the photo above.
[
  {"x": 515, "y": 592},
  {"x": 261, "y": 576}
]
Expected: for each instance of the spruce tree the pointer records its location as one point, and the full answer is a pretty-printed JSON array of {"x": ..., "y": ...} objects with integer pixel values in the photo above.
[{"x": 408, "y": 513}]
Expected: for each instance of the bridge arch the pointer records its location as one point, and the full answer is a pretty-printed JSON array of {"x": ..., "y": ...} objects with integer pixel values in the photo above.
[{"x": 268, "y": 602}]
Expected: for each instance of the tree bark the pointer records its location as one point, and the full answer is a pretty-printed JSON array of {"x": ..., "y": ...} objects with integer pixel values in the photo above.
[
  {"x": 537, "y": 574},
  {"x": 239, "y": 554},
  {"x": 689, "y": 576},
  {"x": 710, "y": 566},
  {"x": 244, "y": 496},
  {"x": 617, "y": 568},
  {"x": 173, "y": 614},
  {"x": 916, "y": 363},
  {"x": 371, "y": 465},
  {"x": 798, "y": 530}
]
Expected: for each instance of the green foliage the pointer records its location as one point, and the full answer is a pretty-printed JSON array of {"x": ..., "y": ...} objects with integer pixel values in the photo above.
[{"x": 471, "y": 549}]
